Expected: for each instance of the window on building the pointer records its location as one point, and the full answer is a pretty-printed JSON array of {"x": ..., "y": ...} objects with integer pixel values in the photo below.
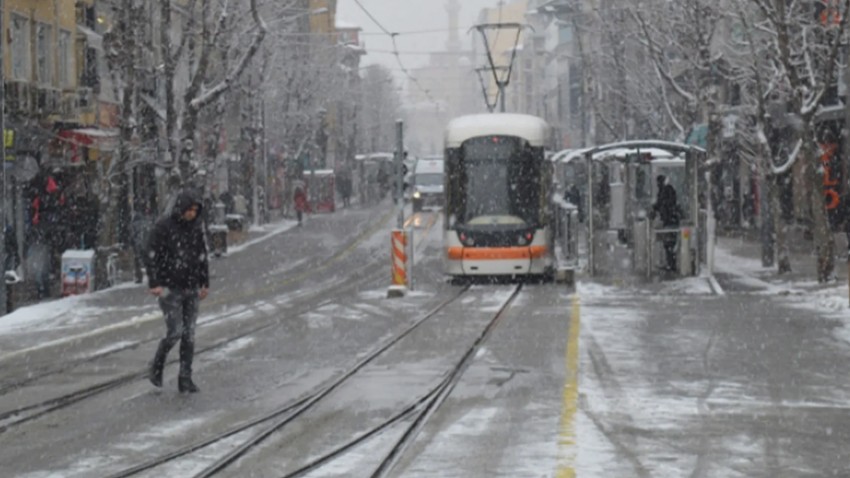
[
  {"x": 20, "y": 47},
  {"x": 565, "y": 33},
  {"x": 64, "y": 65},
  {"x": 44, "y": 57}
]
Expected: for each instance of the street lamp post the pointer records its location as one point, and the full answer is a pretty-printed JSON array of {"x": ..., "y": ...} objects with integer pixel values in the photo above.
[{"x": 3, "y": 206}]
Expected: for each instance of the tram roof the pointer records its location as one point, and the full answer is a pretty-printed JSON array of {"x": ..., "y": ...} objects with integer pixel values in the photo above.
[
  {"x": 658, "y": 149},
  {"x": 362, "y": 157},
  {"x": 531, "y": 128}
]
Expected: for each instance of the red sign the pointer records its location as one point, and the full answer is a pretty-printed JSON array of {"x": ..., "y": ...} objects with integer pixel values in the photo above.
[
  {"x": 830, "y": 184},
  {"x": 828, "y": 13}
]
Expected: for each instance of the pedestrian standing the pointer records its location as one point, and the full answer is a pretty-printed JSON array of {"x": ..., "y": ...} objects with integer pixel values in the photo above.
[
  {"x": 179, "y": 278},
  {"x": 300, "y": 199},
  {"x": 667, "y": 208}
]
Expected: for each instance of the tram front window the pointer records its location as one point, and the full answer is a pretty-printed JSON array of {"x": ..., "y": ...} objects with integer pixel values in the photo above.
[{"x": 501, "y": 186}]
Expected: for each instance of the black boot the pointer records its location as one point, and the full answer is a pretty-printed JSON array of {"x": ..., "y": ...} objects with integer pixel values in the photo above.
[
  {"x": 186, "y": 385},
  {"x": 158, "y": 364}
]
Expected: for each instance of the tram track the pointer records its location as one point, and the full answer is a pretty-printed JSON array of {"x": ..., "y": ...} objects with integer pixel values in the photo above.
[
  {"x": 285, "y": 414},
  {"x": 20, "y": 415},
  {"x": 421, "y": 409},
  {"x": 64, "y": 401}
]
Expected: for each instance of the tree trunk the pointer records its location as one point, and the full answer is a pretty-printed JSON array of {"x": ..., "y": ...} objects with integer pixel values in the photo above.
[
  {"x": 111, "y": 201},
  {"x": 824, "y": 240},
  {"x": 780, "y": 226},
  {"x": 169, "y": 67}
]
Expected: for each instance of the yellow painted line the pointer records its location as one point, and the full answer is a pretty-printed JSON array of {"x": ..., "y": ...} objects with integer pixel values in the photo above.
[{"x": 567, "y": 438}]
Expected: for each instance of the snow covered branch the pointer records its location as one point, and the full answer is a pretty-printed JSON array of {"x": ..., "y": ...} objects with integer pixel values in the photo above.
[{"x": 208, "y": 96}]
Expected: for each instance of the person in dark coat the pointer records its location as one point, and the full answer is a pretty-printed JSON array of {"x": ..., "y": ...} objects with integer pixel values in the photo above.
[
  {"x": 179, "y": 276},
  {"x": 300, "y": 199},
  {"x": 666, "y": 207}
]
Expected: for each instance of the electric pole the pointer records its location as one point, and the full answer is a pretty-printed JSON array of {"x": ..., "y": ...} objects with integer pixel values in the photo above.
[{"x": 4, "y": 299}]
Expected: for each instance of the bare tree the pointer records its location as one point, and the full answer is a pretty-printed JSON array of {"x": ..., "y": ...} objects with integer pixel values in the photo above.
[
  {"x": 807, "y": 60},
  {"x": 201, "y": 41}
]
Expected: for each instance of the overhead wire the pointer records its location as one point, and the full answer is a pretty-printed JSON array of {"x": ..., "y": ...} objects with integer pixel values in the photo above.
[{"x": 397, "y": 54}]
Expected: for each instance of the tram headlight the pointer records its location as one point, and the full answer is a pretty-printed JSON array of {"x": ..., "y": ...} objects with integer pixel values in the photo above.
[{"x": 417, "y": 194}]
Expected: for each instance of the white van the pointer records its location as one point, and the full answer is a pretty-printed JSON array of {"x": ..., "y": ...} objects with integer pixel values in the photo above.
[{"x": 428, "y": 184}]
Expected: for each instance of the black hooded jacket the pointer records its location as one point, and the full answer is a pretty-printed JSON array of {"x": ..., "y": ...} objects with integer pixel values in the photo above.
[
  {"x": 667, "y": 206},
  {"x": 178, "y": 253}
]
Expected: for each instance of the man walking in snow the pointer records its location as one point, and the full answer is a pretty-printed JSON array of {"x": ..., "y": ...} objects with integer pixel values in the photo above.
[{"x": 179, "y": 277}]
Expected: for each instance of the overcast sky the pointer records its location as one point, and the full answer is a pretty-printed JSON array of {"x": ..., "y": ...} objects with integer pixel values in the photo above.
[{"x": 409, "y": 16}]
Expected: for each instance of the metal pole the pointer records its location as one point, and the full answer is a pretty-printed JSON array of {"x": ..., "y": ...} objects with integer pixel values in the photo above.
[
  {"x": 502, "y": 97},
  {"x": 3, "y": 292},
  {"x": 255, "y": 199},
  {"x": 846, "y": 134},
  {"x": 266, "y": 190},
  {"x": 589, "y": 215},
  {"x": 399, "y": 170}
]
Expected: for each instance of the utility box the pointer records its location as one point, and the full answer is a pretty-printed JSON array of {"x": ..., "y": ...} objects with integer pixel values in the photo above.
[{"x": 77, "y": 272}]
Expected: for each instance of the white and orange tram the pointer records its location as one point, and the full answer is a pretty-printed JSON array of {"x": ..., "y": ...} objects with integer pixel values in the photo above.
[{"x": 497, "y": 186}]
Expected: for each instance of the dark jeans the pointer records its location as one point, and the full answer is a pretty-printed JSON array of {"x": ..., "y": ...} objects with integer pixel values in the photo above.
[{"x": 180, "y": 308}]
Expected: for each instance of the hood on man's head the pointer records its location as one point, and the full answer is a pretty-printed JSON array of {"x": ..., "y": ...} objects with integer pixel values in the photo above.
[{"x": 185, "y": 200}]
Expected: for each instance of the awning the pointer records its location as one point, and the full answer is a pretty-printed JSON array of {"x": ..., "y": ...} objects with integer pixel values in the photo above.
[
  {"x": 93, "y": 138},
  {"x": 97, "y": 133},
  {"x": 94, "y": 39}
]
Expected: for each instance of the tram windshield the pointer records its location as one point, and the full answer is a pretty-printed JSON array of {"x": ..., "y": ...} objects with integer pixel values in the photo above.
[{"x": 496, "y": 183}]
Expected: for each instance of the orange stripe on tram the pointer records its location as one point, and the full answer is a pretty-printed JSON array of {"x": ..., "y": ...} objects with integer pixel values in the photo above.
[{"x": 496, "y": 253}]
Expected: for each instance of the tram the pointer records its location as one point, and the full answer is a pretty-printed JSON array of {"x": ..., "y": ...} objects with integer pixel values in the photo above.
[{"x": 497, "y": 186}]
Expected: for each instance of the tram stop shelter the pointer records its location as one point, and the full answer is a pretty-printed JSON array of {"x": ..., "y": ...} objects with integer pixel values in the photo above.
[{"x": 615, "y": 188}]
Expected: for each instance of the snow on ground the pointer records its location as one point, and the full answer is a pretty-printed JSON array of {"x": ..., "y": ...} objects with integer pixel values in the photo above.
[
  {"x": 55, "y": 314},
  {"x": 268, "y": 230},
  {"x": 689, "y": 286},
  {"x": 830, "y": 301}
]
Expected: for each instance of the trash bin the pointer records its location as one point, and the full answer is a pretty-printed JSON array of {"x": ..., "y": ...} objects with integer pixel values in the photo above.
[
  {"x": 218, "y": 239},
  {"x": 77, "y": 272}
]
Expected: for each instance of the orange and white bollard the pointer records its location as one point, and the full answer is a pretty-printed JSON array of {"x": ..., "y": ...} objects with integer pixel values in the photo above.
[{"x": 400, "y": 277}]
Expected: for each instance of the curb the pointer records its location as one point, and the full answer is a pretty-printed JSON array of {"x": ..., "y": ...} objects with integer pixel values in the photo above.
[{"x": 715, "y": 286}]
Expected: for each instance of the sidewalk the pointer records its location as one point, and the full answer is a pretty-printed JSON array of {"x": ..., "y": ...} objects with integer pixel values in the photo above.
[
  {"x": 738, "y": 269},
  {"x": 24, "y": 294},
  {"x": 126, "y": 301}
]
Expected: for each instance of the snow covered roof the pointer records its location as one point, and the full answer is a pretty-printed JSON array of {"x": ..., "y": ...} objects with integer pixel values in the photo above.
[
  {"x": 320, "y": 172},
  {"x": 656, "y": 153},
  {"x": 343, "y": 25},
  {"x": 361, "y": 157},
  {"x": 531, "y": 128},
  {"x": 658, "y": 150}
]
